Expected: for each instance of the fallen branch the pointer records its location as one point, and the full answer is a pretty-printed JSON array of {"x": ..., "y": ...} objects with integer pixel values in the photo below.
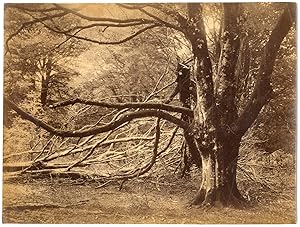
[
  {"x": 79, "y": 147},
  {"x": 148, "y": 166},
  {"x": 90, "y": 152},
  {"x": 104, "y": 184}
]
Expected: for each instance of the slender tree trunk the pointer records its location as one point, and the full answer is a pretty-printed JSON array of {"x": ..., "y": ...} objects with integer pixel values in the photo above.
[
  {"x": 45, "y": 82},
  {"x": 44, "y": 91}
]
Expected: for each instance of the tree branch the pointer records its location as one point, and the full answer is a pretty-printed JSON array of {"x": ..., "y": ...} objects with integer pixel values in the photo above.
[
  {"x": 100, "y": 129},
  {"x": 148, "y": 166},
  {"x": 133, "y": 105},
  {"x": 263, "y": 90},
  {"x": 101, "y": 42},
  {"x": 36, "y": 20},
  {"x": 21, "y": 7},
  {"x": 174, "y": 14},
  {"x": 170, "y": 141},
  {"x": 119, "y": 41},
  {"x": 195, "y": 32},
  {"x": 80, "y": 148},
  {"x": 108, "y": 22},
  {"x": 89, "y": 18},
  {"x": 106, "y": 25},
  {"x": 90, "y": 152},
  {"x": 225, "y": 85},
  {"x": 167, "y": 24}
]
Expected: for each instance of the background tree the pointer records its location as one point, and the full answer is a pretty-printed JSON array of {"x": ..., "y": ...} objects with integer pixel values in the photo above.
[
  {"x": 212, "y": 121},
  {"x": 36, "y": 62}
]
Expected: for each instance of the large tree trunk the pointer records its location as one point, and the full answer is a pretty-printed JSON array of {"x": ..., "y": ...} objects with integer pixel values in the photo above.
[
  {"x": 219, "y": 187},
  {"x": 215, "y": 110},
  {"x": 217, "y": 128}
]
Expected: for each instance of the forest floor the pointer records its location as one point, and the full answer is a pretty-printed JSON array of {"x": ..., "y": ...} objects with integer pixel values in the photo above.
[{"x": 139, "y": 201}]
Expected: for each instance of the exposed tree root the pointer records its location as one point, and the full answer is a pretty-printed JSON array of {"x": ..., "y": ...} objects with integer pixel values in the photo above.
[{"x": 206, "y": 200}]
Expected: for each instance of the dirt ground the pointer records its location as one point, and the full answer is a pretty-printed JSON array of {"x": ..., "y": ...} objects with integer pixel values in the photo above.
[{"x": 139, "y": 201}]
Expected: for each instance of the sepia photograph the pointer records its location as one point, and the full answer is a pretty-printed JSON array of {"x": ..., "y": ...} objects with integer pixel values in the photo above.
[{"x": 149, "y": 113}]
